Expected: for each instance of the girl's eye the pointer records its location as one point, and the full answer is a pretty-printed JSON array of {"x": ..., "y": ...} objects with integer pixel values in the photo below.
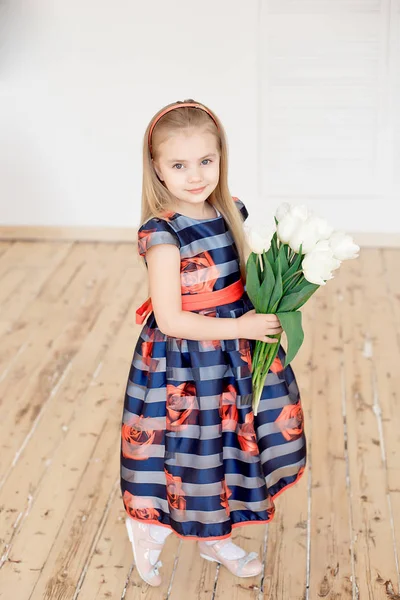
[{"x": 176, "y": 164}]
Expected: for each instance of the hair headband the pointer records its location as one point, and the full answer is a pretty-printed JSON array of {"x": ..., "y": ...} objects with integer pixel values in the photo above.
[{"x": 177, "y": 105}]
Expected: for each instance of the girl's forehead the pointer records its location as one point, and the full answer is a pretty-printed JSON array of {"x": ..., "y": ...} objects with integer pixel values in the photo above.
[{"x": 189, "y": 145}]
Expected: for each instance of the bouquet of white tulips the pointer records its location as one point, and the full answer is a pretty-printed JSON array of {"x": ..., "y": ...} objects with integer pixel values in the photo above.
[{"x": 286, "y": 266}]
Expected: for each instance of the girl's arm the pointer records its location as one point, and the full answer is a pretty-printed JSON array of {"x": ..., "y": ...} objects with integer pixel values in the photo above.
[{"x": 163, "y": 263}]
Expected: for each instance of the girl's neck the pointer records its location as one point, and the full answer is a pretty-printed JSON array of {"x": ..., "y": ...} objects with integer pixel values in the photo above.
[{"x": 205, "y": 211}]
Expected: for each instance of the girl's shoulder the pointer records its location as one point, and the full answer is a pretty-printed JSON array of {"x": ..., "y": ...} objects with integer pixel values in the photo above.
[{"x": 168, "y": 229}]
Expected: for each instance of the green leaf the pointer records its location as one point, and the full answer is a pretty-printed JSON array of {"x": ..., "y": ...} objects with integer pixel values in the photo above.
[
  {"x": 268, "y": 257},
  {"x": 291, "y": 324},
  {"x": 282, "y": 257},
  {"x": 274, "y": 245},
  {"x": 277, "y": 291},
  {"x": 302, "y": 284},
  {"x": 295, "y": 299},
  {"x": 252, "y": 279},
  {"x": 295, "y": 267},
  {"x": 265, "y": 290}
]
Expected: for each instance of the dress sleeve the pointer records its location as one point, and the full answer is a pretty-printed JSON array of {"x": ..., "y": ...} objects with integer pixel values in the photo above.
[
  {"x": 242, "y": 208},
  {"x": 155, "y": 231}
]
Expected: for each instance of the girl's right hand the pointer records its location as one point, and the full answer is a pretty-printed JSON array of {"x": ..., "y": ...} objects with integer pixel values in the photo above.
[{"x": 258, "y": 326}]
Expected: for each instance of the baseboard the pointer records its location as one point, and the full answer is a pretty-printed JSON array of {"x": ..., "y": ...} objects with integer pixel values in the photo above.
[
  {"x": 128, "y": 234},
  {"x": 58, "y": 234}
]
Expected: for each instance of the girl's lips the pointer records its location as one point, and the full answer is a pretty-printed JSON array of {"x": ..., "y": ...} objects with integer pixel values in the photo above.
[{"x": 197, "y": 191}]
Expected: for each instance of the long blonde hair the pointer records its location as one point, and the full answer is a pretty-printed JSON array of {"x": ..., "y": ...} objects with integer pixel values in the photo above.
[{"x": 157, "y": 199}]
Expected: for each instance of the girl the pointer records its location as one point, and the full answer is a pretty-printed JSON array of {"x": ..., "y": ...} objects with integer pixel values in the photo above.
[{"x": 194, "y": 459}]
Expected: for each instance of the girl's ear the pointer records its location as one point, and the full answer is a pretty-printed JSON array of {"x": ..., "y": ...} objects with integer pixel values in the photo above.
[{"x": 157, "y": 170}]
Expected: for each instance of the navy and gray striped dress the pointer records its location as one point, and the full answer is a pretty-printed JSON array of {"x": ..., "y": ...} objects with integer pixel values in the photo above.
[{"x": 192, "y": 458}]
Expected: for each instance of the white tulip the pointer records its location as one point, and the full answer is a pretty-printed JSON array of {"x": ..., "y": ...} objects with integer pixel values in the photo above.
[
  {"x": 300, "y": 211},
  {"x": 282, "y": 210},
  {"x": 319, "y": 263},
  {"x": 321, "y": 226},
  {"x": 287, "y": 226},
  {"x": 309, "y": 233},
  {"x": 291, "y": 220},
  {"x": 258, "y": 239},
  {"x": 305, "y": 236},
  {"x": 343, "y": 246}
]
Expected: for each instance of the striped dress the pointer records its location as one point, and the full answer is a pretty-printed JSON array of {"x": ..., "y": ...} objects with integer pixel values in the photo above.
[{"x": 192, "y": 459}]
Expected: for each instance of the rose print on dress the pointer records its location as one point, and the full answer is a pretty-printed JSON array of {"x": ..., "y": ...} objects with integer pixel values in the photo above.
[
  {"x": 181, "y": 401},
  {"x": 139, "y": 508},
  {"x": 225, "y": 495},
  {"x": 245, "y": 352},
  {"x": 210, "y": 344},
  {"x": 147, "y": 349},
  {"x": 198, "y": 274},
  {"x": 143, "y": 239},
  {"x": 291, "y": 421},
  {"x": 277, "y": 365},
  {"x": 270, "y": 507},
  {"x": 137, "y": 436},
  {"x": 247, "y": 436},
  {"x": 300, "y": 473},
  {"x": 227, "y": 408},
  {"x": 175, "y": 493}
]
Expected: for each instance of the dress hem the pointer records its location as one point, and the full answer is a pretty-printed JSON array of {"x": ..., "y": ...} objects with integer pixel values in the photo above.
[{"x": 234, "y": 525}]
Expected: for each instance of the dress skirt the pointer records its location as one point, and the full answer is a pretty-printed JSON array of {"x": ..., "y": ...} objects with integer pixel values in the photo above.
[{"x": 193, "y": 458}]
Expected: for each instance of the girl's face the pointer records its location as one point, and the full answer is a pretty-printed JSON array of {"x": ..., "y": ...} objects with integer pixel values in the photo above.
[{"x": 188, "y": 162}]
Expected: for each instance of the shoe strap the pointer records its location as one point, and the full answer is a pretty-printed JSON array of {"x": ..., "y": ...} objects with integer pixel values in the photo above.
[
  {"x": 154, "y": 571},
  {"x": 219, "y": 544},
  {"x": 151, "y": 544},
  {"x": 242, "y": 562}
]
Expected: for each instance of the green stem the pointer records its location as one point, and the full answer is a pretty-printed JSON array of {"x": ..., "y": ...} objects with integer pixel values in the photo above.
[
  {"x": 261, "y": 369},
  {"x": 297, "y": 278},
  {"x": 256, "y": 353},
  {"x": 285, "y": 281}
]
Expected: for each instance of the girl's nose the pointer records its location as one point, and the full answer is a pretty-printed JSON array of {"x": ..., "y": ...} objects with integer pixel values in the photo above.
[{"x": 195, "y": 176}]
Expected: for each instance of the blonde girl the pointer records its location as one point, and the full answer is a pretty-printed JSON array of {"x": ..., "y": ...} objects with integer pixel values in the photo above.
[{"x": 195, "y": 460}]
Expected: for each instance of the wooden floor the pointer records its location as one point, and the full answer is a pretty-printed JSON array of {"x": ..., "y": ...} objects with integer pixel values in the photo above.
[{"x": 67, "y": 326}]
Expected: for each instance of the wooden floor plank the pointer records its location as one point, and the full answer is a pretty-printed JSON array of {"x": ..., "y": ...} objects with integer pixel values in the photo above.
[
  {"x": 374, "y": 560},
  {"x": 50, "y": 300},
  {"x": 381, "y": 350},
  {"x": 193, "y": 574},
  {"x": 330, "y": 567},
  {"x": 21, "y": 284}
]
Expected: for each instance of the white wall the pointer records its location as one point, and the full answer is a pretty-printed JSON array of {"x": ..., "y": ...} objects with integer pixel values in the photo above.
[
  {"x": 329, "y": 89},
  {"x": 308, "y": 91}
]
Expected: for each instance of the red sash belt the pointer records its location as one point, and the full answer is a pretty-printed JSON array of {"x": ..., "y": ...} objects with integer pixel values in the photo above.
[{"x": 198, "y": 301}]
